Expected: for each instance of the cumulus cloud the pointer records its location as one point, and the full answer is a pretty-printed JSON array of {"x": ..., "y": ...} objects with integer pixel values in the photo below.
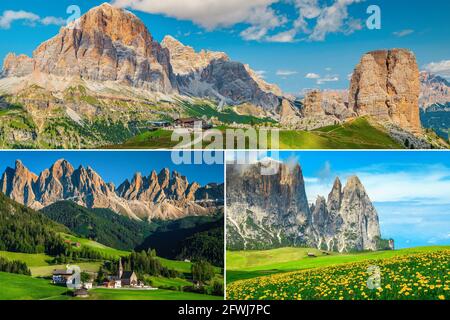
[
  {"x": 286, "y": 73},
  {"x": 403, "y": 33},
  {"x": 441, "y": 68},
  {"x": 315, "y": 18},
  {"x": 30, "y": 18},
  {"x": 211, "y": 14},
  {"x": 312, "y": 75},
  {"x": 9, "y": 16}
]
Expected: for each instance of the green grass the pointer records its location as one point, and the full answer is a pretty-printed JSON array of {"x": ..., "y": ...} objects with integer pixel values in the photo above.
[
  {"x": 19, "y": 287},
  {"x": 41, "y": 264},
  {"x": 158, "y": 139},
  {"x": 108, "y": 251},
  {"x": 168, "y": 282},
  {"x": 251, "y": 264},
  {"x": 355, "y": 134},
  {"x": 227, "y": 115},
  {"x": 123, "y": 294}
]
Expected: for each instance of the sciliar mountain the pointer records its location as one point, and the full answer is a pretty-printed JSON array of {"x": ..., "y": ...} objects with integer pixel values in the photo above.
[{"x": 270, "y": 211}]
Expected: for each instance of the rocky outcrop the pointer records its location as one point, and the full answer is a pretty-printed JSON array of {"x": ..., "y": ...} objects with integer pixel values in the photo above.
[
  {"x": 434, "y": 90},
  {"x": 385, "y": 85},
  {"x": 265, "y": 211},
  {"x": 269, "y": 211},
  {"x": 164, "y": 196},
  {"x": 105, "y": 44},
  {"x": 347, "y": 221},
  {"x": 17, "y": 66},
  {"x": 213, "y": 75}
]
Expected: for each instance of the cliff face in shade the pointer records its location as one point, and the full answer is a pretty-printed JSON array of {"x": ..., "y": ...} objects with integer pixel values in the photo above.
[
  {"x": 265, "y": 211},
  {"x": 270, "y": 211},
  {"x": 168, "y": 195},
  {"x": 385, "y": 85},
  {"x": 213, "y": 75},
  {"x": 105, "y": 44}
]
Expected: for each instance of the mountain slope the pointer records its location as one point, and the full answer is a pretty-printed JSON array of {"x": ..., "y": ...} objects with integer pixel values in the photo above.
[
  {"x": 167, "y": 195},
  {"x": 25, "y": 230},
  {"x": 101, "y": 225}
]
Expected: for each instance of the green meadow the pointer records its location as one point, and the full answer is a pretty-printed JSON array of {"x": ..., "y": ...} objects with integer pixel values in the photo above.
[
  {"x": 355, "y": 134},
  {"x": 250, "y": 264},
  {"x": 19, "y": 287}
]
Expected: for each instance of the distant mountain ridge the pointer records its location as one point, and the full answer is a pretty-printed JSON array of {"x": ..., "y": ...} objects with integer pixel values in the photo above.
[
  {"x": 270, "y": 211},
  {"x": 167, "y": 195}
]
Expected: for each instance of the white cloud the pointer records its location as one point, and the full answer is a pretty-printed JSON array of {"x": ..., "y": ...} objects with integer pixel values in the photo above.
[
  {"x": 212, "y": 14},
  {"x": 441, "y": 68},
  {"x": 397, "y": 185},
  {"x": 335, "y": 19},
  {"x": 10, "y": 16},
  {"x": 403, "y": 33},
  {"x": 30, "y": 18},
  {"x": 328, "y": 78},
  {"x": 53, "y": 21},
  {"x": 285, "y": 36},
  {"x": 312, "y": 75},
  {"x": 286, "y": 73},
  {"x": 316, "y": 18}
]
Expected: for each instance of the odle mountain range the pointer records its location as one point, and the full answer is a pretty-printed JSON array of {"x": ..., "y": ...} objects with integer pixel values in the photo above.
[
  {"x": 270, "y": 211},
  {"x": 102, "y": 78},
  {"x": 165, "y": 195}
]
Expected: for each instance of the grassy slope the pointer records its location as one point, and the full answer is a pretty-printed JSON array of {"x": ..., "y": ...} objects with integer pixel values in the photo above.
[
  {"x": 250, "y": 264},
  {"x": 40, "y": 264},
  {"x": 19, "y": 287},
  {"x": 355, "y": 134}
]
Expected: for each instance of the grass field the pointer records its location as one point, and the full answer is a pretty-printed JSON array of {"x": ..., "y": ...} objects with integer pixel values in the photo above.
[
  {"x": 41, "y": 264},
  {"x": 356, "y": 134},
  {"x": 19, "y": 287},
  {"x": 250, "y": 264},
  {"x": 412, "y": 275}
]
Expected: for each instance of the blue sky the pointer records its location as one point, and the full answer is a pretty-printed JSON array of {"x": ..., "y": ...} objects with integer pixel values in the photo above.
[
  {"x": 410, "y": 190},
  {"x": 114, "y": 166},
  {"x": 285, "y": 40}
]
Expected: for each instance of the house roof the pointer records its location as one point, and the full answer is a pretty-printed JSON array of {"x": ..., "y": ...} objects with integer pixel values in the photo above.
[{"x": 61, "y": 272}]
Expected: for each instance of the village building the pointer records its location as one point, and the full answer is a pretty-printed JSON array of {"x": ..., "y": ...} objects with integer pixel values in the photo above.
[
  {"x": 61, "y": 276},
  {"x": 191, "y": 123},
  {"x": 123, "y": 279}
]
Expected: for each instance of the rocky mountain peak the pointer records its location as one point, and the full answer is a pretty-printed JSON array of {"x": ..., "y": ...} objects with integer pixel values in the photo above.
[
  {"x": 385, "y": 85},
  {"x": 142, "y": 198},
  {"x": 433, "y": 90}
]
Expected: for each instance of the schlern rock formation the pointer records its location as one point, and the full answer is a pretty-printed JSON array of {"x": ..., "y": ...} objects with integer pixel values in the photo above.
[{"x": 270, "y": 211}]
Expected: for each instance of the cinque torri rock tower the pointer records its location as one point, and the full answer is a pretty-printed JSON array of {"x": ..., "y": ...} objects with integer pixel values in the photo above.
[
  {"x": 271, "y": 211},
  {"x": 385, "y": 85}
]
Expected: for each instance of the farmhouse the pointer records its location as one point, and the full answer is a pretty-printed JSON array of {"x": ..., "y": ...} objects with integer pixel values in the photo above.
[{"x": 61, "y": 276}]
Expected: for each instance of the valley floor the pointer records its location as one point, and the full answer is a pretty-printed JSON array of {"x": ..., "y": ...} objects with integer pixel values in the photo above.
[{"x": 289, "y": 273}]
